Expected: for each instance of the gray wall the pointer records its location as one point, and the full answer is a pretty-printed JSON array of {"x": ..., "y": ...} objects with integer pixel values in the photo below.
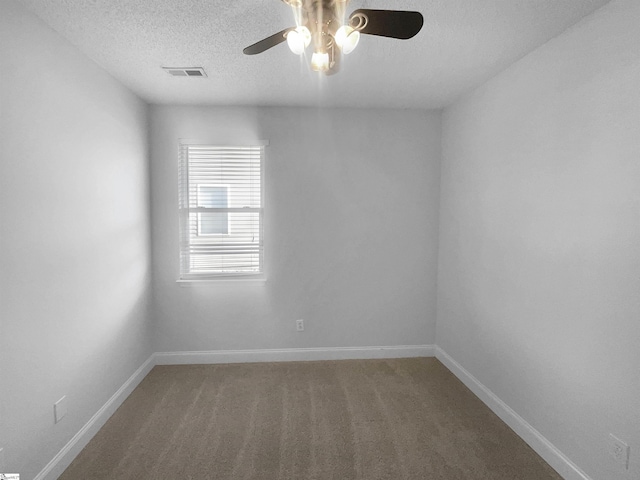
[
  {"x": 74, "y": 250},
  {"x": 351, "y": 230},
  {"x": 540, "y": 235}
]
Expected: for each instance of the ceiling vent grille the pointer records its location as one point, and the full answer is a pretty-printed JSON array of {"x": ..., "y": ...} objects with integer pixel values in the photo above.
[{"x": 185, "y": 71}]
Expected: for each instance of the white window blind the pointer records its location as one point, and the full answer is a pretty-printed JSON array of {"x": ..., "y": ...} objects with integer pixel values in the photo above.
[{"x": 221, "y": 211}]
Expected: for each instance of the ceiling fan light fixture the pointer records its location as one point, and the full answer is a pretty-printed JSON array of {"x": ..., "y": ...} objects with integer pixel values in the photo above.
[
  {"x": 324, "y": 22},
  {"x": 299, "y": 39},
  {"x": 347, "y": 38},
  {"x": 320, "y": 61}
]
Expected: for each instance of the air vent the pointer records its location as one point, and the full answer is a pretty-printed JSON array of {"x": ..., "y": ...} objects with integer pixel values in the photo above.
[{"x": 185, "y": 71}]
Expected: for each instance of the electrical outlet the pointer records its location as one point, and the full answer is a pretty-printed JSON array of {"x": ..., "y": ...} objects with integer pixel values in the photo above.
[
  {"x": 300, "y": 325},
  {"x": 619, "y": 451},
  {"x": 60, "y": 409}
]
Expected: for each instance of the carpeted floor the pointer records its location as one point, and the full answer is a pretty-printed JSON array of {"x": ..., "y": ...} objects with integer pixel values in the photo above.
[{"x": 404, "y": 419}]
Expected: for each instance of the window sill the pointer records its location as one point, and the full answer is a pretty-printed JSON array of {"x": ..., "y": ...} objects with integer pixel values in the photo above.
[{"x": 245, "y": 282}]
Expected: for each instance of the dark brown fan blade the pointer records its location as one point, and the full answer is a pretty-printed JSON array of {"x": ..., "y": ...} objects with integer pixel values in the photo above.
[
  {"x": 389, "y": 23},
  {"x": 267, "y": 43}
]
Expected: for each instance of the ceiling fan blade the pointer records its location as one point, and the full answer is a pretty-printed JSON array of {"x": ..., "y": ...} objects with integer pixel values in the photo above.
[
  {"x": 389, "y": 23},
  {"x": 267, "y": 43}
]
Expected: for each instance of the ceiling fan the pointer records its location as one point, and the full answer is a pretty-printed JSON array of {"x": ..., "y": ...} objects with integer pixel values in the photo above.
[{"x": 322, "y": 22}]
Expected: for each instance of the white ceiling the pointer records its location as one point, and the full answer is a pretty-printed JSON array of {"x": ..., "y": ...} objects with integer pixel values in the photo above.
[{"x": 462, "y": 44}]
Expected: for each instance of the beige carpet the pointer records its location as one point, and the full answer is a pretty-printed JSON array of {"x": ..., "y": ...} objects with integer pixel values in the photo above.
[{"x": 399, "y": 419}]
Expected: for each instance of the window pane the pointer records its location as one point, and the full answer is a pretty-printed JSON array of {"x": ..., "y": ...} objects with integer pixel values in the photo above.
[
  {"x": 237, "y": 252},
  {"x": 213, "y": 196},
  {"x": 213, "y": 223}
]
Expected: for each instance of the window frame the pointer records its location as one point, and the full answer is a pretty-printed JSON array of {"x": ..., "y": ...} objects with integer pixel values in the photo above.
[{"x": 245, "y": 278}]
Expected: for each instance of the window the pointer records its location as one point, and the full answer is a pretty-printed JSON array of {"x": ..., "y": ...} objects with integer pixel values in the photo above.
[{"x": 221, "y": 214}]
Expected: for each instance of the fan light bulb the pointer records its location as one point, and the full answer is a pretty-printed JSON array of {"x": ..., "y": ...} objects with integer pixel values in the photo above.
[
  {"x": 299, "y": 39},
  {"x": 347, "y": 38},
  {"x": 320, "y": 61}
]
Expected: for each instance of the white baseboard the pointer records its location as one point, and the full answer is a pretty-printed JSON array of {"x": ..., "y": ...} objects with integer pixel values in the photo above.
[
  {"x": 65, "y": 456},
  {"x": 293, "y": 354},
  {"x": 535, "y": 439},
  {"x": 543, "y": 447}
]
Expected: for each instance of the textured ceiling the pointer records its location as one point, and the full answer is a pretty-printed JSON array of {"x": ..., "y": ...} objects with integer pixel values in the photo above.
[{"x": 462, "y": 44}]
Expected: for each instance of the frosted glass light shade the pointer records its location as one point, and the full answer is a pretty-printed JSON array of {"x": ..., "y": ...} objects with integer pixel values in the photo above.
[
  {"x": 320, "y": 61},
  {"x": 299, "y": 39},
  {"x": 347, "y": 38}
]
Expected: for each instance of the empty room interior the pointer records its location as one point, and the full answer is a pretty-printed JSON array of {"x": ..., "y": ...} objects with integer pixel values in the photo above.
[{"x": 395, "y": 240}]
